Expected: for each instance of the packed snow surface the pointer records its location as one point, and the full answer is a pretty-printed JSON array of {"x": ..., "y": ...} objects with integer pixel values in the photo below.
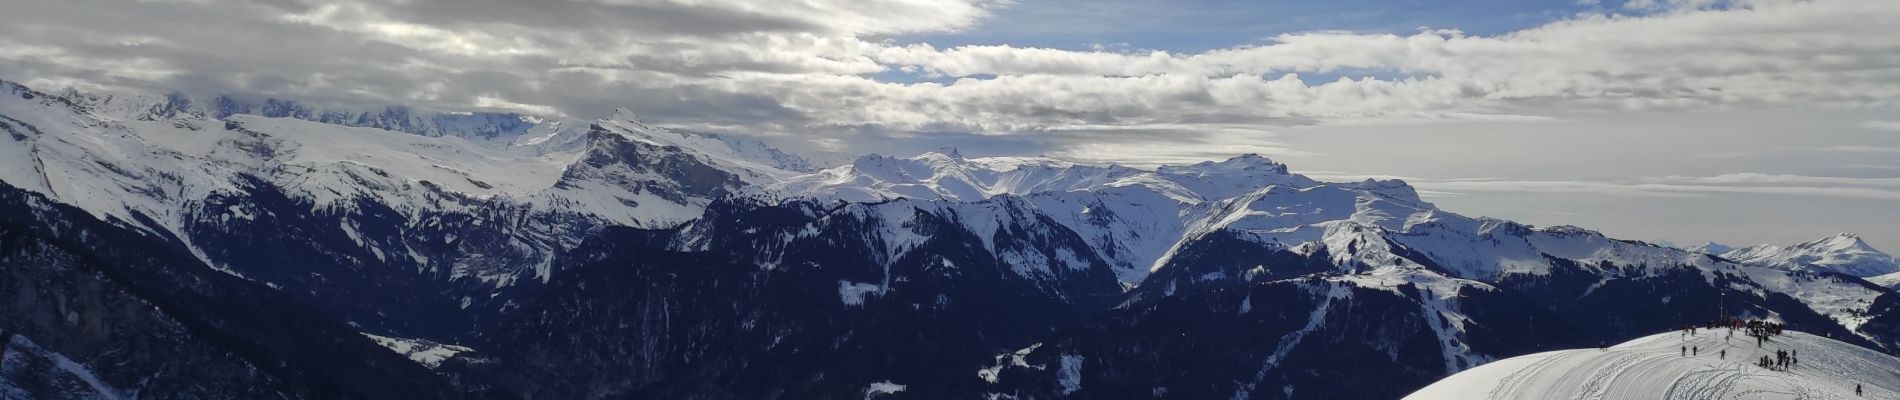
[{"x": 1653, "y": 367}]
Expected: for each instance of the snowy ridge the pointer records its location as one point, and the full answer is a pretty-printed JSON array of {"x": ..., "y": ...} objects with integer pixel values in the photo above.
[
  {"x": 1488, "y": 250},
  {"x": 1844, "y": 253},
  {"x": 895, "y": 228},
  {"x": 1137, "y": 220},
  {"x": 1891, "y": 281},
  {"x": 1710, "y": 248},
  {"x": 1339, "y": 215},
  {"x": 157, "y": 174},
  {"x": 133, "y": 159},
  {"x": 483, "y": 127},
  {"x": 1653, "y": 367},
  {"x": 945, "y": 174},
  {"x": 1129, "y": 216},
  {"x": 97, "y": 151},
  {"x": 1359, "y": 225},
  {"x": 752, "y": 160}
]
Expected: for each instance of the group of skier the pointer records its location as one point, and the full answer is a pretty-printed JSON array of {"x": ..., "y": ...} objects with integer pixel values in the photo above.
[
  {"x": 1783, "y": 360},
  {"x": 1761, "y": 330}
]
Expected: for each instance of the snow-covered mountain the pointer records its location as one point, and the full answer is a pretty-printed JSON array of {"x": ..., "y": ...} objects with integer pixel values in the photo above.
[
  {"x": 1140, "y": 221},
  {"x": 1654, "y": 367},
  {"x": 486, "y": 127},
  {"x": 945, "y": 174},
  {"x": 1445, "y": 291},
  {"x": 612, "y": 258},
  {"x": 119, "y": 155},
  {"x": 1843, "y": 253},
  {"x": 1710, "y": 248},
  {"x": 379, "y": 226}
]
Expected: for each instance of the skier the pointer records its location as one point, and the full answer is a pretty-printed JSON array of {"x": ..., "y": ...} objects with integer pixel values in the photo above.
[
  {"x": 1723, "y": 354},
  {"x": 1856, "y": 389},
  {"x": 1685, "y": 351},
  {"x": 1695, "y": 350}
]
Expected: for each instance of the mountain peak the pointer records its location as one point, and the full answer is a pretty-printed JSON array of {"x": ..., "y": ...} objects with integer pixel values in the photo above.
[
  {"x": 630, "y": 120},
  {"x": 871, "y": 160},
  {"x": 1839, "y": 242},
  {"x": 1710, "y": 248},
  {"x": 624, "y": 114},
  {"x": 1251, "y": 157},
  {"x": 948, "y": 151},
  {"x": 1249, "y": 162},
  {"x": 1843, "y": 252},
  {"x": 1844, "y": 237}
]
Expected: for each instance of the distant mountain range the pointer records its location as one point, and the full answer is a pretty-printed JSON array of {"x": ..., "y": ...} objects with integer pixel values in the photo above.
[
  {"x": 308, "y": 253},
  {"x": 1843, "y": 253}
]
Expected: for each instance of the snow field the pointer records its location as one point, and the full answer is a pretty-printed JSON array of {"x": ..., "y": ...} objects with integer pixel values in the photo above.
[{"x": 1653, "y": 367}]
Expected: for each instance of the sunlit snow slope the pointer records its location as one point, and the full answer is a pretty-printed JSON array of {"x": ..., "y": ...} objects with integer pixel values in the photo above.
[
  {"x": 1654, "y": 368},
  {"x": 1844, "y": 253}
]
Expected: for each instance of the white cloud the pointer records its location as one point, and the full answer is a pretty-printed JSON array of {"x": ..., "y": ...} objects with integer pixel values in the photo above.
[
  {"x": 1889, "y": 126},
  {"x": 822, "y": 67},
  {"x": 1678, "y": 186},
  {"x": 1833, "y": 52},
  {"x": 1861, "y": 149},
  {"x": 1743, "y": 179}
]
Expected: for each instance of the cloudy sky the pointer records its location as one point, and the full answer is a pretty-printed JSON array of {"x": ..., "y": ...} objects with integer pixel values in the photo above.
[{"x": 1740, "y": 121}]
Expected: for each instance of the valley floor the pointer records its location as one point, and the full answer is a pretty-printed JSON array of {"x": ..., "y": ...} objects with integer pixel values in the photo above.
[{"x": 1654, "y": 367}]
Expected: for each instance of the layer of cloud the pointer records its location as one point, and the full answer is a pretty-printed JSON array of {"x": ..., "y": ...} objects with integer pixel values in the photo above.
[
  {"x": 1889, "y": 126},
  {"x": 1667, "y": 186},
  {"x": 827, "y": 67}
]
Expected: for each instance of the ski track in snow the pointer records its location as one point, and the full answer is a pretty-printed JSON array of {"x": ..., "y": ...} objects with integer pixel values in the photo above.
[
  {"x": 1653, "y": 367},
  {"x": 1313, "y": 322}
]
